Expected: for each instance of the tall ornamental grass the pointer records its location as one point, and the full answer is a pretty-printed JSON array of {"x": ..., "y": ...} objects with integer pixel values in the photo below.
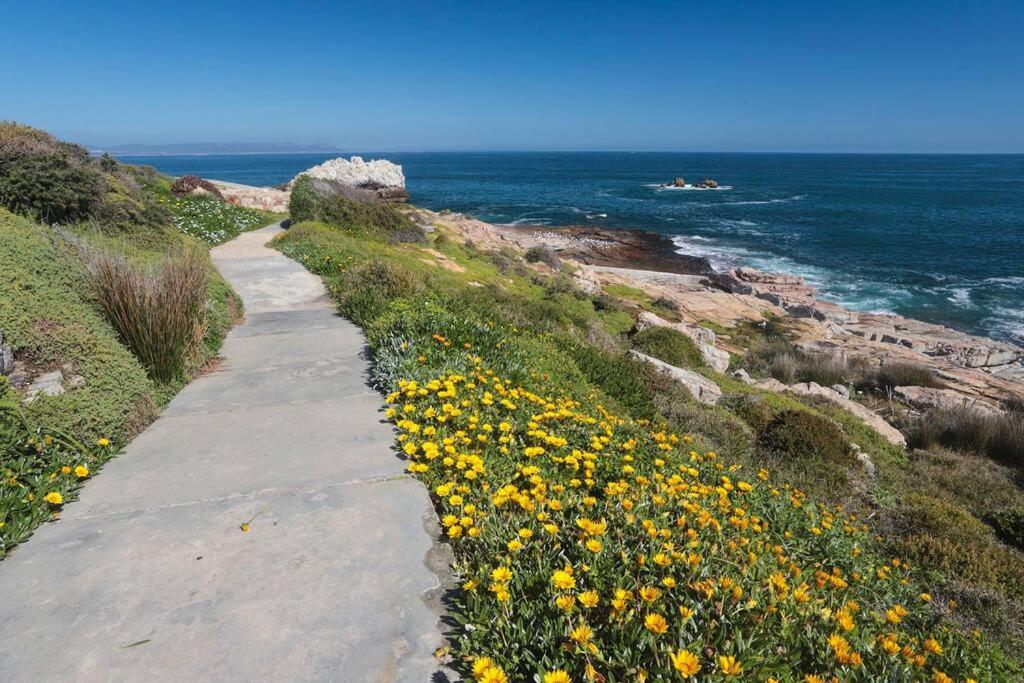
[{"x": 156, "y": 310}]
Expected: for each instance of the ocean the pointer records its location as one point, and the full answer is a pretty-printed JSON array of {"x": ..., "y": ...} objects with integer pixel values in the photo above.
[{"x": 934, "y": 237}]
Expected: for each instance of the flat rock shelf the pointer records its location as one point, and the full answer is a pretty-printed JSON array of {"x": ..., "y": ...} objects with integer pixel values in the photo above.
[{"x": 150, "y": 574}]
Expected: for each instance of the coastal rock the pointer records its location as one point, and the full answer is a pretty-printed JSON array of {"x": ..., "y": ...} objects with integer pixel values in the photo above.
[
  {"x": 743, "y": 376},
  {"x": 703, "y": 338},
  {"x": 679, "y": 182},
  {"x": 761, "y": 277},
  {"x": 869, "y": 417},
  {"x": 841, "y": 390},
  {"x": 930, "y": 398},
  {"x": 699, "y": 386},
  {"x": 47, "y": 384},
  {"x": 586, "y": 281},
  {"x": 770, "y": 384},
  {"x": 383, "y": 177},
  {"x": 263, "y": 198}
]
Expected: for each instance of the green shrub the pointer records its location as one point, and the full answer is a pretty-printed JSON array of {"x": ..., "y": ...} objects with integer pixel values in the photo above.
[
  {"x": 542, "y": 254},
  {"x": 52, "y": 188},
  {"x": 671, "y": 346},
  {"x": 364, "y": 292},
  {"x": 798, "y": 434},
  {"x": 1009, "y": 526},
  {"x": 619, "y": 376},
  {"x": 308, "y": 203}
]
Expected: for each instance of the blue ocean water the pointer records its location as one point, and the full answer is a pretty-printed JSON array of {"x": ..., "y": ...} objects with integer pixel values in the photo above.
[{"x": 934, "y": 237}]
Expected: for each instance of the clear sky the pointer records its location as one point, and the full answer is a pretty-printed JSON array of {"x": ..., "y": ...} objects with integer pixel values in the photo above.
[{"x": 538, "y": 75}]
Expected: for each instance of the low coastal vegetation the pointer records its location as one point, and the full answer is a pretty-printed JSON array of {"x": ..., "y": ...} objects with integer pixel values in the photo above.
[
  {"x": 606, "y": 526},
  {"x": 107, "y": 314}
]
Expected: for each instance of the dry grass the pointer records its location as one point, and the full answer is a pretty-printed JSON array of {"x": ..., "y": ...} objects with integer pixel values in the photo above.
[
  {"x": 999, "y": 436},
  {"x": 157, "y": 311},
  {"x": 900, "y": 374}
]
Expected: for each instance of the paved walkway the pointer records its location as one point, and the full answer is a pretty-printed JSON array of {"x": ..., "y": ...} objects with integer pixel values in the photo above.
[{"x": 149, "y": 575}]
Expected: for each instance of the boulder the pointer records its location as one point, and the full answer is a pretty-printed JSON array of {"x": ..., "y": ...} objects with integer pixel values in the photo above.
[
  {"x": 380, "y": 176},
  {"x": 703, "y": 338},
  {"x": 841, "y": 390},
  {"x": 47, "y": 384},
  {"x": 699, "y": 386},
  {"x": 743, "y": 376},
  {"x": 930, "y": 398},
  {"x": 586, "y": 281},
  {"x": 868, "y": 416},
  {"x": 679, "y": 182}
]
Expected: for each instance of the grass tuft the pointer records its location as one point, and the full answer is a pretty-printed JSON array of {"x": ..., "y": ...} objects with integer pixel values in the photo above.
[{"x": 156, "y": 311}]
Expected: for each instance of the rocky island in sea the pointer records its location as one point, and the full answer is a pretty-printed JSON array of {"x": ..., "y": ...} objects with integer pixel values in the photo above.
[{"x": 681, "y": 184}]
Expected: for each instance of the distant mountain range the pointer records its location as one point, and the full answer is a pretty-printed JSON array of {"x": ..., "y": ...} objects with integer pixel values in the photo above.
[{"x": 200, "y": 148}]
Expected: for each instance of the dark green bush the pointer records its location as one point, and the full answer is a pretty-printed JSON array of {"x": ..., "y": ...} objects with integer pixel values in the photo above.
[
  {"x": 1009, "y": 526},
  {"x": 803, "y": 435},
  {"x": 52, "y": 188},
  {"x": 619, "y": 376},
  {"x": 671, "y": 346},
  {"x": 543, "y": 255}
]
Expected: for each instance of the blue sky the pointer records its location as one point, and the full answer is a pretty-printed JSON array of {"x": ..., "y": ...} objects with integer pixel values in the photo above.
[{"x": 723, "y": 76}]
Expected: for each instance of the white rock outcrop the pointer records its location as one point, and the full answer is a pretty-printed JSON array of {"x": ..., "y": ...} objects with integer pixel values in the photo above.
[
  {"x": 699, "y": 386},
  {"x": 376, "y": 173}
]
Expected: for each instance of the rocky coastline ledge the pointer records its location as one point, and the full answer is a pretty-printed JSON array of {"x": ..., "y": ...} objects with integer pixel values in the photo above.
[{"x": 976, "y": 371}]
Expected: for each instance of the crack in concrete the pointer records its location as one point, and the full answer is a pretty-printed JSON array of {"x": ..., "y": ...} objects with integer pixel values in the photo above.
[{"x": 282, "y": 490}]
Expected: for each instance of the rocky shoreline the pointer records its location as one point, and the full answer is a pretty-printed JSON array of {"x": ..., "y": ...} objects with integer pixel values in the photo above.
[{"x": 977, "y": 371}]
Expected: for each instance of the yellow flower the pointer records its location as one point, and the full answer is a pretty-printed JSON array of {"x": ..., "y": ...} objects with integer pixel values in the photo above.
[
  {"x": 589, "y": 598},
  {"x": 685, "y": 662},
  {"x": 563, "y": 579},
  {"x": 54, "y": 498},
  {"x": 559, "y": 676},
  {"x": 581, "y": 634},
  {"x": 501, "y": 574},
  {"x": 649, "y": 593},
  {"x": 933, "y": 646},
  {"x": 655, "y": 623},
  {"x": 103, "y": 442},
  {"x": 81, "y": 471},
  {"x": 65, "y": 470},
  {"x": 493, "y": 675},
  {"x": 729, "y": 666},
  {"x": 482, "y": 664},
  {"x": 515, "y": 545},
  {"x": 565, "y": 602},
  {"x": 594, "y": 545}
]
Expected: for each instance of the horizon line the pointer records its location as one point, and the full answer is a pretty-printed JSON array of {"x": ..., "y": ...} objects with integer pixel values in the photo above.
[{"x": 563, "y": 151}]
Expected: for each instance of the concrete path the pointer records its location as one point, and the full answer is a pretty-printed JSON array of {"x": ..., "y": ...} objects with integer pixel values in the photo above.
[{"x": 149, "y": 575}]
